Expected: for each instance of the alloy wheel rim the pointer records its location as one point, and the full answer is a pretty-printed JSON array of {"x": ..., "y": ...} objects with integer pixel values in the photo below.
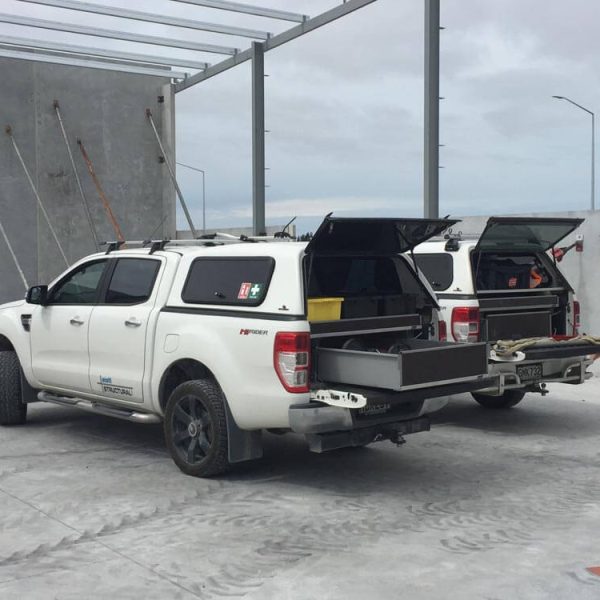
[{"x": 192, "y": 430}]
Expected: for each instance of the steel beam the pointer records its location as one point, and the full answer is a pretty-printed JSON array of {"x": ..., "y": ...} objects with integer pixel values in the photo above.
[
  {"x": 90, "y": 64},
  {"x": 101, "y": 52},
  {"x": 135, "y": 15},
  {"x": 247, "y": 9},
  {"x": 277, "y": 40},
  {"x": 115, "y": 35},
  {"x": 258, "y": 139},
  {"x": 431, "y": 165}
]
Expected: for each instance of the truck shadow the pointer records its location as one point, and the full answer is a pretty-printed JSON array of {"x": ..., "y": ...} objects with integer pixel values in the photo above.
[{"x": 534, "y": 415}]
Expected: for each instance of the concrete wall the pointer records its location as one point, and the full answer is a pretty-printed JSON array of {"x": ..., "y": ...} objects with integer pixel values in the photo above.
[
  {"x": 106, "y": 110},
  {"x": 581, "y": 269}
]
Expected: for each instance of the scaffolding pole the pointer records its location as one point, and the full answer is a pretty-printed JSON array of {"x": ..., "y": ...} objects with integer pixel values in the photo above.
[
  {"x": 86, "y": 206},
  {"x": 258, "y": 138},
  {"x": 431, "y": 167},
  {"x": 188, "y": 216},
  {"x": 35, "y": 193}
]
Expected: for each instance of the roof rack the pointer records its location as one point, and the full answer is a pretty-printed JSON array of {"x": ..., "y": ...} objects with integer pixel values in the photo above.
[{"x": 211, "y": 239}]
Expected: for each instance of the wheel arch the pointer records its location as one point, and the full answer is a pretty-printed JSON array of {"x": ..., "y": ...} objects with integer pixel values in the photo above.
[
  {"x": 178, "y": 372},
  {"x": 6, "y": 344},
  {"x": 242, "y": 444}
]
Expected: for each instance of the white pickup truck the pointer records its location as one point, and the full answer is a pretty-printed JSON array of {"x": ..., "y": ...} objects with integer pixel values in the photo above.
[
  {"x": 214, "y": 339},
  {"x": 504, "y": 285}
]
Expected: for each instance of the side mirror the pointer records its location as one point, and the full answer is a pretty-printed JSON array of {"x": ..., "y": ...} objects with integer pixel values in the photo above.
[{"x": 38, "y": 294}]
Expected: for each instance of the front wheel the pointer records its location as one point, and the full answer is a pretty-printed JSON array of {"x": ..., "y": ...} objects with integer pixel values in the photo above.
[
  {"x": 196, "y": 428},
  {"x": 508, "y": 399},
  {"x": 13, "y": 411}
]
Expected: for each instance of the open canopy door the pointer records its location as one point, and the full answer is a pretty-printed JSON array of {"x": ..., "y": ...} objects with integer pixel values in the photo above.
[
  {"x": 373, "y": 236},
  {"x": 525, "y": 234}
]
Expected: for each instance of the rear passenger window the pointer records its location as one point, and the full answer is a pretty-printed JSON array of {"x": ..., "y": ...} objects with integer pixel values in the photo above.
[
  {"x": 438, "y": 268},
  {"x": 228, "y": 281},
  {"x": 132, "y": 281}
]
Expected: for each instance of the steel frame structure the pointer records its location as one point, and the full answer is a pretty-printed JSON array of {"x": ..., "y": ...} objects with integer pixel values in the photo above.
[{"x": 194, "y": 70}]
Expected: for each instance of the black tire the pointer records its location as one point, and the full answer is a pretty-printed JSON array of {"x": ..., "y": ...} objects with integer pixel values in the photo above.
[
  {"x": 13, "y": 411},
  {"x": 508, "y": 399},
  {"x": 196, "y": 428}
]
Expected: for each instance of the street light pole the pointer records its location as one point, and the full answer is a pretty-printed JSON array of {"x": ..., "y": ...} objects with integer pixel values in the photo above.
[
  {"x": 593, "y": 192},
  {"x": 203, "y": 192}
]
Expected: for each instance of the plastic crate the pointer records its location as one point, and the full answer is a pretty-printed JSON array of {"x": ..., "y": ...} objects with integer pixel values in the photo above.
[{"x": 324, "y": 309}]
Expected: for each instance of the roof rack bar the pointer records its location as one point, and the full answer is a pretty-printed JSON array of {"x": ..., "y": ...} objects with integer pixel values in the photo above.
[
  {"x": 90, "y": 64},
  {"x": 115, "y": 35},
  {"x": 101, "y": 52},
  {"x": 277, "y": 40},
  {"x": 125, "y": 13},
  {"x": 248, "y": 9}
]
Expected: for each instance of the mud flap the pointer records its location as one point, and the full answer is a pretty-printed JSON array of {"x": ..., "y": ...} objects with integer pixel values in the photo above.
[{"x": 242, "y": 444}]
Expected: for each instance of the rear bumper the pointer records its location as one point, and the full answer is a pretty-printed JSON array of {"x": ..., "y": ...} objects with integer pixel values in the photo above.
[{"x": 571, "y": 370}]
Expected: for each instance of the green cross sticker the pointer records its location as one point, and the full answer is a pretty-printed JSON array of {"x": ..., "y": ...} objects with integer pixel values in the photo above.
[{"x": 255, "y": 291}]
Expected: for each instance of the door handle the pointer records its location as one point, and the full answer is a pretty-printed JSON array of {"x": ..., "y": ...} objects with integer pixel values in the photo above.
[
  {"x": 76, "y": 321},
  {"x": 132, "y": 322}
]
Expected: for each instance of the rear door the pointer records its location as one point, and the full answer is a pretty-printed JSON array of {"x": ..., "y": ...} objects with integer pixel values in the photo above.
[
  {"x": 525, "y": 234},
  {"x": 339, "y": 236},
  {"x": 119, "y": 328}
]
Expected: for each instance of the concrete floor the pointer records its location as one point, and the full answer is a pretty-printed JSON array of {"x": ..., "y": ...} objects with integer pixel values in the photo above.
[{"x": 488, "y": 505}]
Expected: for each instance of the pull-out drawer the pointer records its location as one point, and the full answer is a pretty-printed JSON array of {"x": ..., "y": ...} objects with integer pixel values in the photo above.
[{"x": 423, "y": 364}]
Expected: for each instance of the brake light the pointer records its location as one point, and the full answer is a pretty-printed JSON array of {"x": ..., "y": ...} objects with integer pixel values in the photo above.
[
  {"x": 576, "y": 317},
  {"x": 442, "y": 331},
  {"x": 292, "y": 360},
  {"x": 465, "y": 324}
]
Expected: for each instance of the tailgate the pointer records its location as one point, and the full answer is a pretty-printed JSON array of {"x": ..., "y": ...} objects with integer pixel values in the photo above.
[{"x": 425, "y": 364}]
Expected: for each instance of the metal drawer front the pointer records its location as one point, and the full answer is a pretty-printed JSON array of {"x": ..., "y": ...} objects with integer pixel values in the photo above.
[{"x": 424, "y": 365}]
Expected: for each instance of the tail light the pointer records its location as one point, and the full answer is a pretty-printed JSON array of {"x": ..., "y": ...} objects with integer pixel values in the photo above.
[
  {"x": 465, "y": 324},
  {"x": 576, "y": 317},
  {"x": 442, "y": 331},
  {"x": 292, "y": 360}
]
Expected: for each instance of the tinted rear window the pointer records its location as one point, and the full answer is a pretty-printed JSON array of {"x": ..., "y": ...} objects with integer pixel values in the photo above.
[
  {"x": 438, "y": 268},
  {"x": 132, "y": 281},
  {"x": 228, "y": 281}
]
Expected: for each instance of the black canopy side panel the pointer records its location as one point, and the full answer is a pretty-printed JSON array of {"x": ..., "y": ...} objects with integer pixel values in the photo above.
[
  {"x": 373, "y": 236},
  {"x": 535, "y": 234}
]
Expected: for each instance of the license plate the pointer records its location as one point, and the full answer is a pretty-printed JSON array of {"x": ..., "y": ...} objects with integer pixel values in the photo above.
[{"x": 529, "y": 372}]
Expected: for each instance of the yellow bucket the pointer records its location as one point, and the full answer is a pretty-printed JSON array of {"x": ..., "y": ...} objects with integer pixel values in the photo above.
[{"x": 324, "y": 309}]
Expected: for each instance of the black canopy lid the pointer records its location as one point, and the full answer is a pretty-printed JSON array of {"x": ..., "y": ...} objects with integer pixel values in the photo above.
[
  {"x": 535, "y": 234},
  {"x": 373, "y": 236}
]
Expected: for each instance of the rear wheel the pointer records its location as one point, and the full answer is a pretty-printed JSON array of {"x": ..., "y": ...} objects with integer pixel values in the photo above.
[
  {"x": 13, "y": 411},
  {"x": 196, "y": 428},
  {"x": 508, "y": 399}
]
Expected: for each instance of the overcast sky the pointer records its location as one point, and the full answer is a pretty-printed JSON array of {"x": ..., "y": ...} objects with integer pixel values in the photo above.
[{"x": 344, "y": 108}]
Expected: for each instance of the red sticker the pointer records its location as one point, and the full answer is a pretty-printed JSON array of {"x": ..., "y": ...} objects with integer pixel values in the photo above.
[{"x": 244, "y": 291}]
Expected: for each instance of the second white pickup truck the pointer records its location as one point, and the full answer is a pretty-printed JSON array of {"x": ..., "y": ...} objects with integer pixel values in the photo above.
[{"x": 215, "y": 339}]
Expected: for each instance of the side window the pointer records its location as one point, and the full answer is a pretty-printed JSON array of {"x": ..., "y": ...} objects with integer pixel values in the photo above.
[
  {"x": 438, "y": 268},
  {"x": 132, "y": 281},
  {"x": 81, "y": 286},
  {"x": 228, "y": 281}
]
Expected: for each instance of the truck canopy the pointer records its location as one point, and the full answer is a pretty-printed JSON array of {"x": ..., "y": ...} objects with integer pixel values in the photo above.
[
  {"x": 524, "y": 234},
  {"x": 376, "y": 236}
]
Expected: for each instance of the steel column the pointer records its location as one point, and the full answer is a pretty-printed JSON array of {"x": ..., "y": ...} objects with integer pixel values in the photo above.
[
  {"x": 258, "y": 138},
  {"x": 432, "y": 110}
]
